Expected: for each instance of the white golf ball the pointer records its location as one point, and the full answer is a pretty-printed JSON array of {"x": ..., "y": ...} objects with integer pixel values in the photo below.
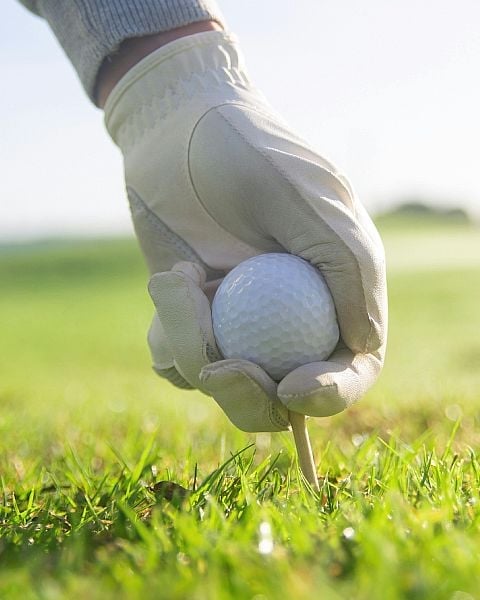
[{"x": 276, "y": 311}]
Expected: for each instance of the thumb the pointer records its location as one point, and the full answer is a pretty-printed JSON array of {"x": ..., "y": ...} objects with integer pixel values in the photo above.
[{"x": 322, "y": 389}]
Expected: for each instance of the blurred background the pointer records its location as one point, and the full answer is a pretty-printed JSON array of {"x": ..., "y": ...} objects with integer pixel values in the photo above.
[{"x": 387, "y": 91}]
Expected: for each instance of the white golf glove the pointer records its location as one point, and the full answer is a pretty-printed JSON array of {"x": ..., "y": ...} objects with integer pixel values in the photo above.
[{"x": 214, "y": 176}]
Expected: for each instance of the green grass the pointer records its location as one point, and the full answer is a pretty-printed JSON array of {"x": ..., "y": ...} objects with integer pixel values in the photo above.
[{"x": 87, "y": 430}]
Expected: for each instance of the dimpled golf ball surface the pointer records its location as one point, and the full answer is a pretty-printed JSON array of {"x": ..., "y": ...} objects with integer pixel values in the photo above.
[{"x": 275, "y": 310}]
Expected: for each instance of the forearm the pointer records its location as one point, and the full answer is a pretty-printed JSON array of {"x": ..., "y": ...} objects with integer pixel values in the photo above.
[{"x": 93, "y": 33}]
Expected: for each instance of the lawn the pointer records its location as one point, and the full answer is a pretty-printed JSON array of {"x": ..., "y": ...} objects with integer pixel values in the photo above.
[{"x": 88, "y": 434}]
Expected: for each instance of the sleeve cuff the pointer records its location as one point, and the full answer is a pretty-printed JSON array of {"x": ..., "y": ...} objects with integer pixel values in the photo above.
[{"x": 91, "y": 30}]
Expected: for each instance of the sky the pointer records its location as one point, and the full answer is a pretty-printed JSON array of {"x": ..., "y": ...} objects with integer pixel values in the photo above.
[{"x": 387, "y": 90}]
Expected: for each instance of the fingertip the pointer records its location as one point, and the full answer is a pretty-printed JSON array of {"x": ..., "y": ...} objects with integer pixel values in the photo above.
[
  {"x": 313, "y": 390},
  {"x": 192, "y": 270},
  {"x": 154, "y": 285},
  {"x": 159, "y": 282},
  {"x": 231, "y": 371}
]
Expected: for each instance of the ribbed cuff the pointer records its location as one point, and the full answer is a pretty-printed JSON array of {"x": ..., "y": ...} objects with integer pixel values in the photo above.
[
  {"x": 91, "y": 30},
  {"x": 31, "y": 5}
]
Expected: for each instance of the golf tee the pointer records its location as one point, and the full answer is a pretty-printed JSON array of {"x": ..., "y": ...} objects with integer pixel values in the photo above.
[{"x": 304, "y": 448}]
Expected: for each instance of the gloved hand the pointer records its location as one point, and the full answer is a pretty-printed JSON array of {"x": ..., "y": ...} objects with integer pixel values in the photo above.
[{"x": 214, "y": 177}]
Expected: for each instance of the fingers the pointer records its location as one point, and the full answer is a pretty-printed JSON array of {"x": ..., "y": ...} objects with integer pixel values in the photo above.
[
  {"x": 182, "y": 342},
  {"x": 246, "y": 394},
  {"x": 184, "y": 312},
  {"x": 242, "y": 389},
  {"x": 325, "y": 388},
  {"x": 191, "y": 270}
]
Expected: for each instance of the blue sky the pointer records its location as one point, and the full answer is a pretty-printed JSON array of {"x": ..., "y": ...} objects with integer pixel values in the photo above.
[{"x": 387, "y": 90}]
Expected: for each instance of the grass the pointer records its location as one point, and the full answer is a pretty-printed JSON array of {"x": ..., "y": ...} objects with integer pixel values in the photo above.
[{"x": 88, "y": 433}]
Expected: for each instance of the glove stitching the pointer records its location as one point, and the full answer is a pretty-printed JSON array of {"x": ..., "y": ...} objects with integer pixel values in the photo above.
[
  {"x": 346, "y": 400},
  {"x": 292, "y": 186},
  {"x": 171, "y": 239},
  {"x": 206, "y": 345},
  {"x": 211, "y": 352},
  {"x": 174, "y": 377},
  {"x": 179, "y": 92},
  {"x": 274, "y": 414},
  {"x": 294, "y": 396},
  {"x": 241, "y": 243}
]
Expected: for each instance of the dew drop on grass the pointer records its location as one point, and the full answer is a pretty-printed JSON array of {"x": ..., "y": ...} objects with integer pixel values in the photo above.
[
  {"x": 263, "y": 440},
  {"x": 183, "y": 559},
  {"x": 117, "y": 404},
  {"x": 349, "y": 533},
  {"x": 265, "y": 544},
  {"x": 150, "y": 423},
  {"x": 358, "y": 439},
  {"x": 198, "y": 414},
  {"x": 453, "y": 412},
  {"x": 459, "y": 595}
]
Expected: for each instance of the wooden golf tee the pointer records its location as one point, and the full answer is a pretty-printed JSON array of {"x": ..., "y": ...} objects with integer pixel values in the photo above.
[{"x": 304, "y": 448}]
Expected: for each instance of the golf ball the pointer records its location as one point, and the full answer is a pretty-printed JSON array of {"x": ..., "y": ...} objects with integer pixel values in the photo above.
[{"x": 276, "y": 311}]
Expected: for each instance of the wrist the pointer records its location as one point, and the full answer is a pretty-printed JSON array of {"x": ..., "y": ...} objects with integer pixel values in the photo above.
[{"x": 133, "y": 50}]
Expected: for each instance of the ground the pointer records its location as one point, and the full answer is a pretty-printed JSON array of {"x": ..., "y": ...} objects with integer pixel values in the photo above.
[{"x": 88, "y": 431}]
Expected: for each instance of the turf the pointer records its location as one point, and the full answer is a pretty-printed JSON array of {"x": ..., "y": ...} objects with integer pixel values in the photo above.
[{"x": 88, "y": 434}]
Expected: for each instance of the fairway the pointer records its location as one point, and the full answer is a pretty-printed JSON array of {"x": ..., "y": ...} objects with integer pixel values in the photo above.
[{"x": 87, "y": 430}]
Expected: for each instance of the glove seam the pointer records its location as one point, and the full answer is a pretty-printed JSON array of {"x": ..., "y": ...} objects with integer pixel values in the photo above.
[
  {"x": 205, "y": 342},
  {"x": 308, "y": 394},
  {"x": 347, "y": 402},
  {"x": 158, "y": 223},
  {"x": 242, "y": 243}
]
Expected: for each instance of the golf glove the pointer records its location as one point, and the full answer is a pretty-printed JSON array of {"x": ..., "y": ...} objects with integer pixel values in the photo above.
[{"x": 214, "y": 176}]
